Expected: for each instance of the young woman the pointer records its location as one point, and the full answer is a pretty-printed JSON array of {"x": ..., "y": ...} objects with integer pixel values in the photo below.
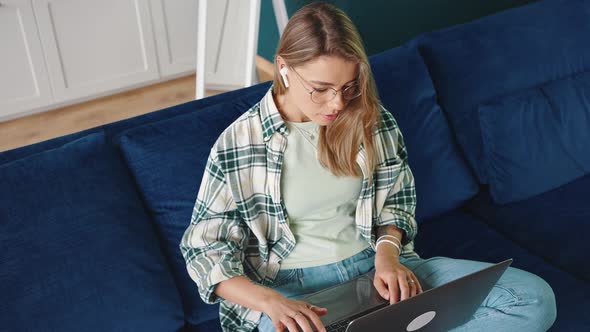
[{"x": 311, "y": 187}]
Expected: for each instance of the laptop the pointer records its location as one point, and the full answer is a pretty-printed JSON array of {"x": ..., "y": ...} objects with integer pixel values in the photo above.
[{"x": 356, "y": 306}]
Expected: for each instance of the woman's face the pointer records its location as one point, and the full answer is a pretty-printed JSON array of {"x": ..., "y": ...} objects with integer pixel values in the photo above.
[{"x": 318, "y": 75}]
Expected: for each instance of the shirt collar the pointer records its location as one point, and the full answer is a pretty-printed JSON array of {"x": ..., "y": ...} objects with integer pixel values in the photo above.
[{"x": 272, "y": 121}]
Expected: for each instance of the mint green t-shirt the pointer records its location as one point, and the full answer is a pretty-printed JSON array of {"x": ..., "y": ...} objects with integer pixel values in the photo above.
[{"x": 320, "y": 206}]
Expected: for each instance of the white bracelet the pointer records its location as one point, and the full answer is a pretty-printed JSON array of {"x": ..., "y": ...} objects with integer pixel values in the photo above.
[
  {"x": 387, "y": 235},
  {"x": 399, "y": 251}
]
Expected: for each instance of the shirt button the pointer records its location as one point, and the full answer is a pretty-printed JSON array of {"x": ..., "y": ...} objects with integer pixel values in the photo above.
[{"x": 276, "y": 158}]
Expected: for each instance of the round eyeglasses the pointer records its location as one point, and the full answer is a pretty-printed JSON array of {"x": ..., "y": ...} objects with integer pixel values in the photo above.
[{"x": 324, "y": 95}]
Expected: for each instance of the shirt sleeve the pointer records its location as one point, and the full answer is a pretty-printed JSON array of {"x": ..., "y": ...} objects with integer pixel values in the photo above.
[
  {"x": 400, "y": 205},
  {"x": 213, "y": 244}
]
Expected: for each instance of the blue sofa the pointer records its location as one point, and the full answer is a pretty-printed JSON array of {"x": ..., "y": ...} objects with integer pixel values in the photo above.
[{"x": 496, "y": 117}]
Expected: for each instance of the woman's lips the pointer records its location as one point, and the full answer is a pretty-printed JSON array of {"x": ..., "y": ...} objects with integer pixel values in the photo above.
[{"x": 330, "y": 117}]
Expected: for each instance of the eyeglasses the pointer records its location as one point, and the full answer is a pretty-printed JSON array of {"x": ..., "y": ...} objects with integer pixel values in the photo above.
[{"x": 324, "y": 95}]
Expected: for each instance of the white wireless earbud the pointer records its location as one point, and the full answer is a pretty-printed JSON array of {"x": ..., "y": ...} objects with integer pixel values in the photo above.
[{"x": 284, "y": 72}]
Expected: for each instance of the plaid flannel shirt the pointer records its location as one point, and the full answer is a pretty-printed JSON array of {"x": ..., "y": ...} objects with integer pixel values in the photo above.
[{"x": 239, "y": 224}]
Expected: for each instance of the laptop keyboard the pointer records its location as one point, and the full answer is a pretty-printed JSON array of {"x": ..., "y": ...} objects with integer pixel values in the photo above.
[{"x": 339, "y": 326}]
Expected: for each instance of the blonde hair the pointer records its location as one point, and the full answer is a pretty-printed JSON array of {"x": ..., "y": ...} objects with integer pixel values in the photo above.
[{"x": 322, "y": 29}]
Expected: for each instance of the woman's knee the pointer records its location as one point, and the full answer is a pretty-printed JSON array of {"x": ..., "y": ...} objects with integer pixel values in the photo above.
[
  {"x": 541, "y": 298},
  {"x": 547, "y": 302}
]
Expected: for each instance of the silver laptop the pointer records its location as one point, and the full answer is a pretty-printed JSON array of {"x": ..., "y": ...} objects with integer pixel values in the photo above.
[{"x": 356, "y": 306}]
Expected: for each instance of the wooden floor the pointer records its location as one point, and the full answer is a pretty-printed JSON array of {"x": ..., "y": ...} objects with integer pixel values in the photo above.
[
  {"x": 43, "y": 126},
  {"x": 70, "y": 119}
]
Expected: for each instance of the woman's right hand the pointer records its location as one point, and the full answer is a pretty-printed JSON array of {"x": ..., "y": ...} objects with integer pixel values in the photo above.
[{"x": 289, "y": 313}]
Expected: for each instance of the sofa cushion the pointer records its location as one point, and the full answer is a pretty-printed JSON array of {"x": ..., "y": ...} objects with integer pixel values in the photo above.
[
  {"x": 167, "y": 159},
  {"x": 538, "y": 139},
  {"x": 460, "y": 234},
  {"x": 443, "y": 179},
  {"x": 78, "y": 250},
  {"x": 207, "y": 326},
  {"x": 500, "y": 54},
  {"x": 553, "y": 225}
]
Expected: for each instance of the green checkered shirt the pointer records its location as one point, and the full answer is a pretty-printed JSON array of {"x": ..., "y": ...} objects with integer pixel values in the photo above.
[{"x": 239, "y": 224}]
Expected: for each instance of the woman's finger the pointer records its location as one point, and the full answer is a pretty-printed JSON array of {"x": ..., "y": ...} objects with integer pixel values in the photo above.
[
  {"x": 290, "y": 323},
  {"x": 302, "y": 321},
  {"x": 413, "y": 285},
  {"x": 404, "y": 287},
  {"x": 412, "y": 282},
  {"x": 312, "y": 313},
  {"x": 381, "y": 287},
  {"x": 394, "y": 290},
  {"x": 417, "y": 285},
  {"x": 318, "y": 310}
]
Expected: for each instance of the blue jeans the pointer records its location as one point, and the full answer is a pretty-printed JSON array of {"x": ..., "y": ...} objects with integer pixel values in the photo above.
[{"x": 520, "y": 301}]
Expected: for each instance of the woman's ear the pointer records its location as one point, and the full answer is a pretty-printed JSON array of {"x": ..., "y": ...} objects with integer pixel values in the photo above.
[
  {"x": 283, "y": 70},
  {"x": 283, "y": 73}
]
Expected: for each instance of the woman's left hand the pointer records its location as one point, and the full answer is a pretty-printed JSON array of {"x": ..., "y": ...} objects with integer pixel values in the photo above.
[{"x": 393, "y": 280}]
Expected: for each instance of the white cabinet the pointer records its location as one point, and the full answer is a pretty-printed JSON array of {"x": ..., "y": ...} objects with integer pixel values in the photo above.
[
  {"x": 92, "y": 47},
  {"x": 227, "y": 41},
  {"x": 23, "y": 77},
  {"x": 175, "y": 28},
  {"x": 59, "y": 52},
  {"x": 227, "y": 30}
]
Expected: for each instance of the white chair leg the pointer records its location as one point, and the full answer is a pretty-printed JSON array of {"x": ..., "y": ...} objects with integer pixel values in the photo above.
[{"x": 201, "y": 45}]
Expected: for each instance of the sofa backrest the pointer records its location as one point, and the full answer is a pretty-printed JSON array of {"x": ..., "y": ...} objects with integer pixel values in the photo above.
[
  {"x": 537, "y": 139},
  {"x": 78, "y": 250},
  {"x": 442, "y": 178},
  {"x": 503, "y": 54}
]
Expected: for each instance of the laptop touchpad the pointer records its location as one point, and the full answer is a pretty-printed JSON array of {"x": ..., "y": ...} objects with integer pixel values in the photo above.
[{"x": 347, "y": 299}]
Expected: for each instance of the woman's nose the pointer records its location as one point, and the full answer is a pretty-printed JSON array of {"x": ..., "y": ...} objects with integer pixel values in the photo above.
[{"x": 338, "y": 102}]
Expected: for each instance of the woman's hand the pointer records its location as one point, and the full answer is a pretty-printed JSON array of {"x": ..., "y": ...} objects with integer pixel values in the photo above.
[
  {"x": 393, "y": 280},
  {"x": 289, "y": 313}
]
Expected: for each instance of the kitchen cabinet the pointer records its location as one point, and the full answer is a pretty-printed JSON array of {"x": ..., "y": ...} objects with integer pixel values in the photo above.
[{"x": 24, "y": 83}]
